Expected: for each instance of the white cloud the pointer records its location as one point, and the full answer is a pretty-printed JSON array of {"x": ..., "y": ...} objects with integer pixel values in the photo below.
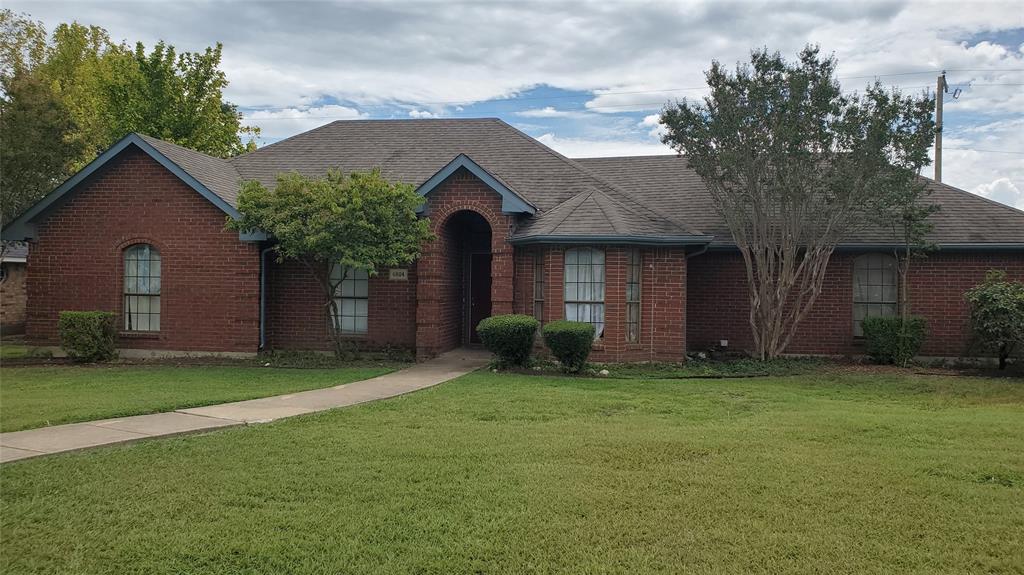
[
  {"x": 276, "y": 124},
  {"x": 549, "y": 112},
  {"x": 422, "y": 114},
  {"x": 655, "y": 128},
  {"x": 1003, "y": 191},
  {"x": 588, "y": 148},
  {"x": 987, "y": 160},
  {"x": 423, "y": 56}
]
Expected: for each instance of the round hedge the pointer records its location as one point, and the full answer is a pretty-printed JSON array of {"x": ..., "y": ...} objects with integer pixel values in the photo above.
[
  {"x": 570, "y": 342},
  {"x": 510, "y": 337}
]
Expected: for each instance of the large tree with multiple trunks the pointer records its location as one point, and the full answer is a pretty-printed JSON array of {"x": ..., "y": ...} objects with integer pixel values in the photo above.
[{"x": 795, "y": 166}]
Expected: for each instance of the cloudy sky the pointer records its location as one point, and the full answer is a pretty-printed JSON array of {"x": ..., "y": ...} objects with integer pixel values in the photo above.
[{"x": 585, "y": 78}]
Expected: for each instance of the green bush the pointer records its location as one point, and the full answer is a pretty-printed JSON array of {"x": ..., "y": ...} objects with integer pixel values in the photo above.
[
  {"x": 87, "y": 335},
  {"x": 997, "y": 314},
  {"x": 570, "y": 342},
  {"x": 887, "y": 340},
  {"x": 510, "y": 337}
]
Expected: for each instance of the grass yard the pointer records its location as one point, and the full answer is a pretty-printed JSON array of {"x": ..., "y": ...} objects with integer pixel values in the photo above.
[
  {"x": 35, "y": 396},
  {"x": 497, "y": 473}
]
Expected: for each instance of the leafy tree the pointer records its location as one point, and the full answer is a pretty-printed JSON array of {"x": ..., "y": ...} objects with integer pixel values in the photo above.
[
  {"x": 997, "y": 313},
  {"x": 107, "y": 90},
  {"x": 36, "y": 152},
  {"x": 795, "y": 166},
  {"x": 359, "y": 220}
]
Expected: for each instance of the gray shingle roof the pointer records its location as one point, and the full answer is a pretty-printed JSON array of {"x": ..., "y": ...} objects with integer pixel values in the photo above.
[
  {"x": 215, "y": 173},
  {"x": 668, "y": 185},
  {"x": 638, "y": 196},
  {"x": 412, "y": 151}
]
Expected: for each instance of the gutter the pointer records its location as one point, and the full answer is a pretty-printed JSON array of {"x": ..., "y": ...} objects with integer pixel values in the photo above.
[
  {"x": 958, "y": 247},
  {"x": 263, "y": 296},
  {"x": 614, "y": 240}
]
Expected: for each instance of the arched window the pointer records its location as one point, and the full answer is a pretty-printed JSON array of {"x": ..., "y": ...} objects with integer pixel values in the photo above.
[
  {"x": 584, "y": 287},
  {"x": 875, "y": 292},
  {"x": 141, "y": 288}
]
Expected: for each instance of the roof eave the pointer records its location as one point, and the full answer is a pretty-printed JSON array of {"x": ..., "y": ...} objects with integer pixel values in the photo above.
[
  {"x": 23, "y": 228},
  {"x": 511, "y": 202},
  {"x": 614, "y": 239},
  {"x": 949, "y": 246}
]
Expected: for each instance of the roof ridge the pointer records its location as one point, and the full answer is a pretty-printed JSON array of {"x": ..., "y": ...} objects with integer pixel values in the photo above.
[
  {"x": 572, "y": 163},
  {"x": 288, "y": 139},
  {"x": 179, "y": 146},
  {"x": 570, "y": 209},
  {"x": 608, "y": 218},
  {"x": 640, "y": 156},
  {"x": 972, "y": 195}
]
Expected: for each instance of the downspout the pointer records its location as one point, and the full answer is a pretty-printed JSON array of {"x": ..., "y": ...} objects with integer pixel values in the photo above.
[
  {"x": 263, "y": 297},
  {"x": 686, "y": 301}
]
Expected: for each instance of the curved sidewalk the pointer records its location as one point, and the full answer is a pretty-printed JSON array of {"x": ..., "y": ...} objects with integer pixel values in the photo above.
[{"x": 60, "y": 438}]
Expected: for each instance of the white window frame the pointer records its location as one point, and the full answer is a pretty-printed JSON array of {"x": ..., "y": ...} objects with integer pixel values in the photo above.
[
  {"x": 875, "y": 288},
  {"x": 634, "y": 272},
  {"x": 352, "y": 300},
  {"x": 584, "y": 287},
  {"x": 141, "y": 288}
]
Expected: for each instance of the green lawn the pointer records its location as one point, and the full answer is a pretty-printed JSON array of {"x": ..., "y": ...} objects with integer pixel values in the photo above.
[
  {"x": 38, "y": 396},
  {"x": 498, "y": 473}
]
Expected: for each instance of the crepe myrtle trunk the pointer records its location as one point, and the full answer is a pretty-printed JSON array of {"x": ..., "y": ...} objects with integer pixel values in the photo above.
[
  {"x": 330, "y": 286},
  {"x": 794, "y": 167}
]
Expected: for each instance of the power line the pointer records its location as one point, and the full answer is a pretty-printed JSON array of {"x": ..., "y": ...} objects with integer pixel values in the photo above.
[
  {"x": 987, "y": 151},
  {"x": 634, "y": 92}
]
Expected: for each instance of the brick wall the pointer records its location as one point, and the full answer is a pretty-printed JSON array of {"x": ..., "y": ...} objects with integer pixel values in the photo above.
[
  {"x": 298, "y": 319},
  {"x": 210, "y": 279},
  {"x": 718, "y": 304},
  {"x": 13, "y": 298},
  {"x": 662, "y": 300}
]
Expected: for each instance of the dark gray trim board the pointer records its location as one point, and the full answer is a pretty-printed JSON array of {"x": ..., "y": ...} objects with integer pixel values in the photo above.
[
  {"x": 511, "y": 202},
  {"x": 23, "y": 228},
  {"x": 615, "y": 240},
  {"x": 958, "y": 247}
]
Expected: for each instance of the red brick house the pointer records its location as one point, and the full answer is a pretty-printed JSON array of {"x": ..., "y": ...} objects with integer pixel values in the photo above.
[{"x": 631, "y": 244}]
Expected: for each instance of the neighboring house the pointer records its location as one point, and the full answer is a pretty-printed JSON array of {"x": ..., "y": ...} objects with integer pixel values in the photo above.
[
  {"x": 12, "y": 287},
  {"x": 630, "y": 244}
]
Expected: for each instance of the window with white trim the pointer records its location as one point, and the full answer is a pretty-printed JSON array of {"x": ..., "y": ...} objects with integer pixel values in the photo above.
[
  {"x": 141, "y": 288},
  {"x": 633, "y": 268},
  {"x": 584, "y": 287},
  {"x": 875, "y": 289},
  {"x": 351, "y": 299}
]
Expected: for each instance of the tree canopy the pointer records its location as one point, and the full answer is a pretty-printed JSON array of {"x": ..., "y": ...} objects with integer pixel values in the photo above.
[
  {"x": 794, "y": 166},
  {"x": 92, "y": 91},
  {"x": 337, "y": 222}
]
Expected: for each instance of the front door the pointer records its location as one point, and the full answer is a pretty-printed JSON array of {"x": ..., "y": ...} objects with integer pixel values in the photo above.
[{"x": 479, "y": 292}]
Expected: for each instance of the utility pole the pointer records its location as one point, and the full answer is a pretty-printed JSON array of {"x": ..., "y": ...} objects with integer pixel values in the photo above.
[{"x": 941, "y": 87}]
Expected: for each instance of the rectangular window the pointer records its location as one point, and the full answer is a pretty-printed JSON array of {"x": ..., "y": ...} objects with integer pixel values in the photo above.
[
  {"x": 351, "y": 299},
  {"x": 141, "y": 288},
  {"x": 538, "y": 286},
  {"x": 584, "y": 287},
  {"x": 874, "y": 289},
  {"x": 633, "y": 269}
]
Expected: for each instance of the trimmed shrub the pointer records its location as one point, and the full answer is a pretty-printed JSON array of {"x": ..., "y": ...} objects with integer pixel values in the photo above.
[
  {"x": 87, "y": 335},
  {"x": 887, "y": 340},
  {"x": 997, "y": 314},
  {"x": 570, "y": 342},
  {"x": 510, "y": 337}
]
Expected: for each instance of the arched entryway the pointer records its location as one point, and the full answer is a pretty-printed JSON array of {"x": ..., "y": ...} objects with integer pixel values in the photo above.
[{"x": 466, "y": 245}]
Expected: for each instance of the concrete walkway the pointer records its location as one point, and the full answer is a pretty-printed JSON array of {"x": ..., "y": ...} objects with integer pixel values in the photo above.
[{"x": 59, "y": 438}]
